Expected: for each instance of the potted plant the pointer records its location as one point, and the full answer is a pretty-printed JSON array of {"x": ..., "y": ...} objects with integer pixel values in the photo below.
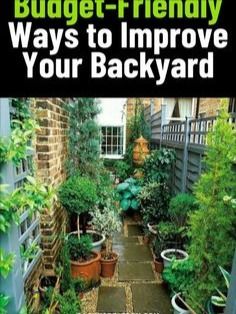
[
  {"x": 108, "y": 223},
  {"x": 217, "y": 303},
  {"x": 78, "y": 195},
  {"x": 178, "y": 276},
  {"x": 158, "y": 260},
  {"x": 154, "y": 198},
  {"x": 84, "y": 262},
  {"x": 169, "y": 254}
]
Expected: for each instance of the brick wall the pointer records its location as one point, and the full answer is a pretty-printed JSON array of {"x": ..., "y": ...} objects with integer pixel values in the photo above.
[
  {"x": 51, "y": 154},
  {"x": 146, "y": 101}
]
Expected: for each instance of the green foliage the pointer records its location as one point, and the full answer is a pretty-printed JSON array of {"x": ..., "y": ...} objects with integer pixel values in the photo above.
[
  {"x": 213, "y": 238},
  {"x": 167, "y": 233},
  {"x": 220, "y": 299},
  {"x": 179, "y": 208},
  {"x": 84, "y": 136},
  {"x": 154, "y": 198},
  {"x": 122, "y": 170},
  {"x": 179, "y": 275},
  {"x": 157, "y": 166},
  {"x": 29, "y": 253},
  {"x": 23, "y": 126},
  {"x": 79, "y": 248},
  {"x": 106, "y": 221},
  {"x": 128, "y": 194},
  {"x": 64, "y": 262},
  {"x": 69, "y": 303},
  {"x": 78, "y": 194},
  {"x": 4, "y": 300},
  {"x": 6, "y": 263}
]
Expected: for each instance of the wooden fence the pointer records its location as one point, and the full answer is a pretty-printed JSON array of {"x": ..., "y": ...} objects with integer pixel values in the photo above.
[{"x": 188, "y": 138}]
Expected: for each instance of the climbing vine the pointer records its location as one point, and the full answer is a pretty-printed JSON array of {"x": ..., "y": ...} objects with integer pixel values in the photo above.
[
  {"x": 32, "y": 196},
  {"x": 23, "y": 127}
]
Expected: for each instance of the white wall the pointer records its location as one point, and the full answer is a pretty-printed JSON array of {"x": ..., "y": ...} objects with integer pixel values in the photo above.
[{"x": 112, "y": 112}]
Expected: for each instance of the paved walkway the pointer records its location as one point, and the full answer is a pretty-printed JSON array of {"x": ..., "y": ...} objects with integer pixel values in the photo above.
[{"x": 135, "y": 287}]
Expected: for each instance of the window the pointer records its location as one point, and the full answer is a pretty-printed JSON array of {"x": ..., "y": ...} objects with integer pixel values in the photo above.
[{"x": 112, "y": 141}]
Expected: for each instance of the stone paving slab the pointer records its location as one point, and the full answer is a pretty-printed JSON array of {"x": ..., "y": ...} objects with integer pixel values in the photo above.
[
  {"x": 131, "y": 252},
  {"x": 124, "y": 240},
  {"x": 135, "y": 271},
  {"x": 134, "y": 230},
  {"x": 150, "y": 298},
  {"x": 111, "y": 300}
]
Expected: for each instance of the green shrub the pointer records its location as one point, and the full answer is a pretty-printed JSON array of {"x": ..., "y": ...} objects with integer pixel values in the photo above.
[
  {"x": 78, "y": 195},
  {"x": 122, "y": 170},
  {"x": 154, "y": 198},
  {"x": 128, "y": 194},
  {"x": 79, "y": 248},
  {"x": 157, "y": 166},
  {"x": 213, "y": 237},
  {"x": 179, "y": 275},
  {"x": 180, "y": 207},
  {"x": 69, "y": 303}
]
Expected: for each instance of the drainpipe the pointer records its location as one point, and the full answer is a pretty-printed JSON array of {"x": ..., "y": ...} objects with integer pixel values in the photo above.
[{"x": 231, "y": 300}]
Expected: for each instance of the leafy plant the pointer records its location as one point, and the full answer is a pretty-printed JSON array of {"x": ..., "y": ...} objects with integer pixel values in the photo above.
[
  {"x": 69, "y": 303},
  {"x": 78, "y": 195},
  {"x": 6, "y": 263},
  {"x": 220, "y": 300},
  {"x": 213, "y": 225},
  {"x": 79, "y": 248},
  {"x": 167, "y": 233},
  {"x": 107, "y": 222},
  {"x": 30, "y": 252},
  {"x": 179, "y": 275},
  {"x": 122, "y": 170},
  {"x": 179, "y": 208},
  {"x": 157, "y": 166},
  {"x": 4, "y": 300},
  {"x": 128, "y": 192},
  {"x": 64, "y": 262},
  {"x": 154, "y": 198}
]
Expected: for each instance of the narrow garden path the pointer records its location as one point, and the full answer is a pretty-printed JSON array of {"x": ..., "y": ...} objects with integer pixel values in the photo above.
[{"x": 135, "y": 287}]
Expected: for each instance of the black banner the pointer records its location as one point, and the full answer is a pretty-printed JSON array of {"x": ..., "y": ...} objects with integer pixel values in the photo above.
[{"x": 117, "y": 48}]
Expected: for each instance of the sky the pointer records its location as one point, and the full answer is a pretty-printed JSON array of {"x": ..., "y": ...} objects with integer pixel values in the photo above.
[{"x": 112, "y": 111}]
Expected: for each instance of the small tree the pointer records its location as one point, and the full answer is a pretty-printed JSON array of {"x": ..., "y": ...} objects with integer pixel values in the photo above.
[
  {"x": 108, "y": 223},
  {"x": 78, "y": 195},
  {"x": 213, "y": 237}
]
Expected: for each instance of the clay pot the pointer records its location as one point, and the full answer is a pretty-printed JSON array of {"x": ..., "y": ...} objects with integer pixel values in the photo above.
[
  {"x": 140, "y": 151},
  {"x": 159, "y": 265},
  {"x": 108, "y": 266},
  {"x": 89, "y": 270}
]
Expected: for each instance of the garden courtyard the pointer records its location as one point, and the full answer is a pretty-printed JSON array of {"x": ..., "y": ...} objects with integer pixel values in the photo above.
[{"x": 138, "y": 216}]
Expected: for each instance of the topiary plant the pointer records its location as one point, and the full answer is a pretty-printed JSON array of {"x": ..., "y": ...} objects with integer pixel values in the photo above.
[{"x": 78, "y": 195}]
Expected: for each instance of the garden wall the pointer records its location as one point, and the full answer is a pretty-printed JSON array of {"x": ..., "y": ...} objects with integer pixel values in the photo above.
[{"x": 51, "y": 154}]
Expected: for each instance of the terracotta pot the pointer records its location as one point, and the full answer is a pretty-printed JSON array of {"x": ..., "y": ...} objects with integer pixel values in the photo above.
[
  {"x": 159, "y": 266},
  {"x": 108, "y": 266},
  {"x": 89, "y": 270},
  {"x": 140, "y": 151}
]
